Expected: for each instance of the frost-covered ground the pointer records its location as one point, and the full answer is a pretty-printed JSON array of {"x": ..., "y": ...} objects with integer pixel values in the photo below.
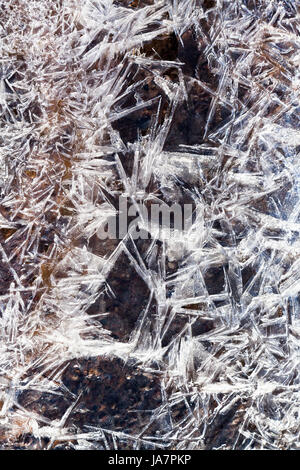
[{"x": 180, "y": 343}]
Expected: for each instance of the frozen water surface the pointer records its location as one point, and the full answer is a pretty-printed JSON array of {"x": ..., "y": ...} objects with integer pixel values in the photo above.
[{"x": 188, "y": 342}]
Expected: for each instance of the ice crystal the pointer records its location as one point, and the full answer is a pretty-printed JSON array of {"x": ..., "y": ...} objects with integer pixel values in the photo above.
[{"x": 188, "y": 342}]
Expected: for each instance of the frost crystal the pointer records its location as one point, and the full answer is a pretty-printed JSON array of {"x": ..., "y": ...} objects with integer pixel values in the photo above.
[{"x": 182, "y": 342}]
